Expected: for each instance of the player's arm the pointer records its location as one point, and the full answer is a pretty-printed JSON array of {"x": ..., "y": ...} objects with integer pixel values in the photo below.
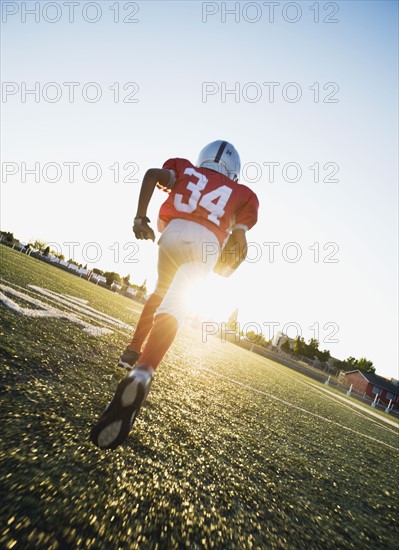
[
  {"x": 233, "y": 254},
  {"x": 154, "y": 176},
  {"x": 235, "y": 249}
]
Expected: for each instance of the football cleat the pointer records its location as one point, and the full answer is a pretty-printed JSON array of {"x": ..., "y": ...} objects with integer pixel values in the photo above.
[
  {"x": 222, "y": 157},
  {"x": 128, "y": 358},
  {"x": 118, "y": 417}
]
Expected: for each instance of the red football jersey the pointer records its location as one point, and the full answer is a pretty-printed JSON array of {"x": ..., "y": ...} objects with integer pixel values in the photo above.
[{"x": 209, "y": 198}]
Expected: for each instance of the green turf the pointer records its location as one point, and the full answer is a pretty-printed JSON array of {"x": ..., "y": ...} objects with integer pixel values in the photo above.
[{"x": 230, "y": 450}]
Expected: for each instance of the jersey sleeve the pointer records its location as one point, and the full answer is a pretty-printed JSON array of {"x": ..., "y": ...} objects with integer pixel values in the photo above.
[
  {"x": 168, "y": 165},
  {"x": 247, "y": 215},
  {"x": 176, "y": 167}
]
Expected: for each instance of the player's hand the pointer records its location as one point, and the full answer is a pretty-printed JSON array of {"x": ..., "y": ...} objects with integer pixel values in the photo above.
[
  {"x": 142, "y": 230},
  {"x": 223, "y": 269},
  {"x": 229, "y": 258}
]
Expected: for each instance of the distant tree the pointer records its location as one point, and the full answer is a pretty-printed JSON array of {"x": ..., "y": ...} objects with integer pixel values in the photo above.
[
  {"x": 143, "y": 287},
  {"x": 286, "y": 346},
  {"x": 46, "y": 251},
  {"x": 323, "y": 356},
  {"x": 125, "y": 283},
  {"x": 311, "y": 349},
  {"x": 348, "y": 364},
  {"x": 232, "y": 321},
  {"x": 299, "y": 346},
  {"x": 366, "y": 365},
  {"x": 98, "y": 271},
  {"x": 8, "y": 237},
  {"x": 313, "y": 345},
  {"x": 256, "y": 338},
  {"x": 112, "y": 277},
  {"x": 39, "y": 245},
  {"x": 71, "y": 261},
  {"x": 356, "y": 364}
]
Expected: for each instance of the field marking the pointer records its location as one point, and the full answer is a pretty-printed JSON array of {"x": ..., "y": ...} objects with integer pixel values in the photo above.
[
  {"x": 87, "y": 310},
  {"x": 78, "y": 307},
  {"x": 271, "y": 396},
  {"x": 75, "y": 299},
  {"x": 135, "y": 310},
  {"x": 45, "y": 311},
  {"x": 346, "y": 403},
  {"x": 365, "y": 412}
]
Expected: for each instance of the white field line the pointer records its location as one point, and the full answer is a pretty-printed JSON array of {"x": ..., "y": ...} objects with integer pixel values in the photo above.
[
  {"x": 288, "y": 404},
  {"x": 135, "y": 310},
  {"x": 346, "y": 402},
  {"x": 75, "y": 299},
  {"x": 91, "y": 312},
  {"x": 365, "y": 412},
  {"x": 46, "y": 311},
  {"x": 68, "y": 303}
]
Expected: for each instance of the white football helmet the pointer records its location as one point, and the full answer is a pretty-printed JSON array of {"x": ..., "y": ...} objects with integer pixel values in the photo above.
[{"x": 222, "y": 157}]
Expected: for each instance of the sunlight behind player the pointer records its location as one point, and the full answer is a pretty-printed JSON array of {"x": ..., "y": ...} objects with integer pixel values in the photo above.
[{"x": 211, "y": 299}]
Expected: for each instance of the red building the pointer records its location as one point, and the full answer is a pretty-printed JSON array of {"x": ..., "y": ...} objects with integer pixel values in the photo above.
[{"x": 372, "y": 385}]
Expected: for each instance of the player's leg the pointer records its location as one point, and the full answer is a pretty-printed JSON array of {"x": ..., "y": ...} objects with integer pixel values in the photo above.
[
  {"x": 132, "y": 352},
  {"x": 184, "y": 245},
  {"x": 166, "y": 269},
  {"x": 171, "y": 313},
  {"x": 116, "y": 421}
]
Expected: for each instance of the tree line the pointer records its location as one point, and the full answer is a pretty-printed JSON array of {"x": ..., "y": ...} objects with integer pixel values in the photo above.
[
  {"x": 300, "y": 348},
  {"x": 44, "y": 249},
  {"x": 311, "y": 351}
]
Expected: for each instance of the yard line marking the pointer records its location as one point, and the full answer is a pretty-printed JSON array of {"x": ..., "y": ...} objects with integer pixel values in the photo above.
[
  {"x": 75, "y": 299},
  {"x": 348, "y": 404},
  {"x": 45, "y": 311},
  {"x": 248, "y": 387},
  {"x": 87, "y": 310},
  {"x": 365, "y": 413},
  {"x": 75, "y": 306},
  {"x": 134, "y": 309}
]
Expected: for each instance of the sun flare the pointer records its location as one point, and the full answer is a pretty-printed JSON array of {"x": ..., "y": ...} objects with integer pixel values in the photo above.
[{"x": 210, "y": 299}]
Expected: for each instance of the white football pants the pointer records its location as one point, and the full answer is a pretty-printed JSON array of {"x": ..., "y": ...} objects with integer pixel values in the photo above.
[{"x": 188, "y": 251}]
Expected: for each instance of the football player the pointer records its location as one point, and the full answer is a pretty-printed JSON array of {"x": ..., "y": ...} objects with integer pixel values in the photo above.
[{"x": 206, "y": 210}]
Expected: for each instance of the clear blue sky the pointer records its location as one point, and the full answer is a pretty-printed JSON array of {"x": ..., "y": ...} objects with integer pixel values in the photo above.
[{"x": 173, "y": 49}]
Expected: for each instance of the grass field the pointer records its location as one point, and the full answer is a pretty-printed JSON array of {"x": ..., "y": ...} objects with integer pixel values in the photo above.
[{"x": 230, "y": 450}]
